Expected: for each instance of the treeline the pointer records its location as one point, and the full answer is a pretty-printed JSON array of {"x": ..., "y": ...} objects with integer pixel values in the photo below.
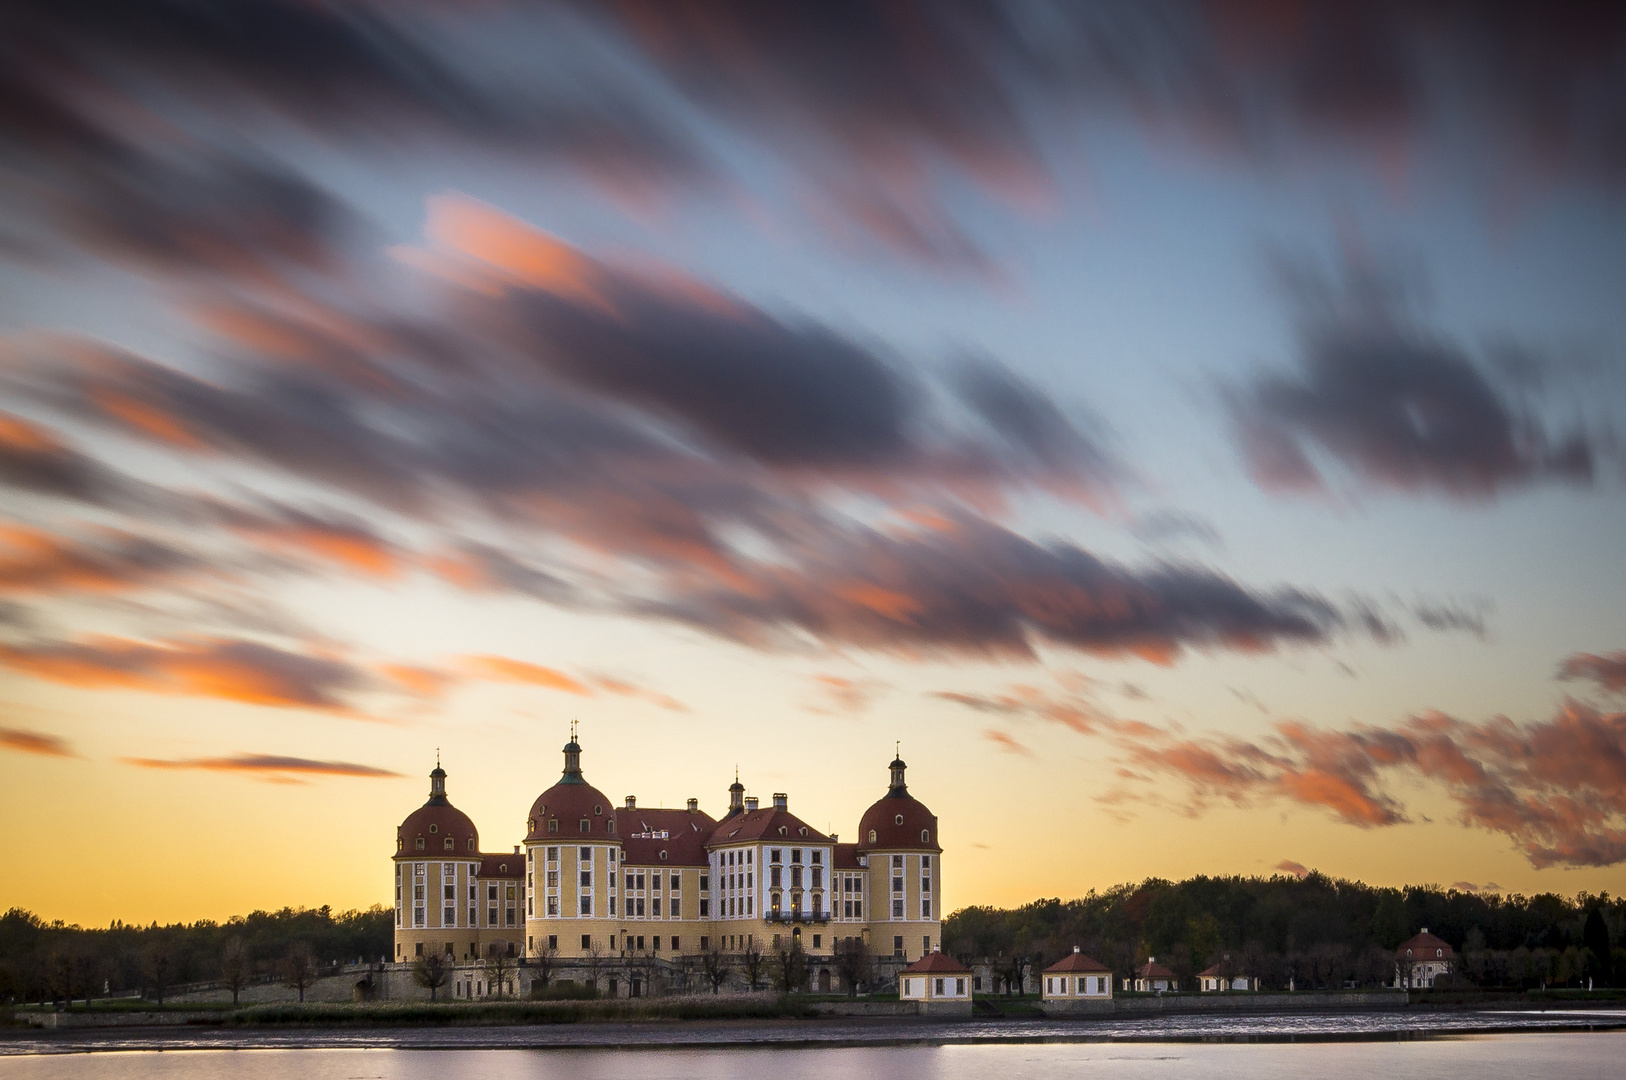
[
  {"x": 1314, "y": 932},
  {"x": 56, "y": 961}
]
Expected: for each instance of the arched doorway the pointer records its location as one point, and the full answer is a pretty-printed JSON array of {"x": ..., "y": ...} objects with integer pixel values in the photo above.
[{"x": 824, "y": 980}]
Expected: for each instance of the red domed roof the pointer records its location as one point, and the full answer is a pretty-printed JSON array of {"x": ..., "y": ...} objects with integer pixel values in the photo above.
[
  {"x": 427, "y": 829},
  {"x": 569, "y": 803},
  {"x": 898, "y": 820}
]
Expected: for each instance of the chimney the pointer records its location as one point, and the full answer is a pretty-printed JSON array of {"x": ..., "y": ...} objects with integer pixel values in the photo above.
[
  {"x": 750, "y": 804},
  {"x": 779, "y": 800},
  {"x": 694, "y": 804},
  {"x": 516, "y": 849},
  {"x": 632, "y": 802},
  {"x": 1425, "y": 929},
  {"x": 1075, "y": 948}
]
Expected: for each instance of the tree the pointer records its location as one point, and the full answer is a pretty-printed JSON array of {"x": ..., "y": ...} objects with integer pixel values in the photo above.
[
  {"x": 1595, "y": 939},
  {"x": 595, "y": 962},
  {"x": 431, "y": 971},
  {"x": 1390, "y": 923},
  {"x": 546, "y": 959},
  {"x": 299, "y": 968},
  {"x": 790, "y": 967},
  {"x": 752, "y": 960},
  {"x": 498, "y": 966},
  {"x": 158, "y": 966},
  {"x": 235, "y": 966},
  {"x": 715, "y": 965},
  {"x": 854, "y": 963}
]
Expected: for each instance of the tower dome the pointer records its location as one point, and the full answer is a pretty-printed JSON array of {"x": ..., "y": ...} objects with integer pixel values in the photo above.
[
  {"x": 897, "y": 820},
  {"x": 437, "y": 827},
  {"x": 571, "y": 809}
]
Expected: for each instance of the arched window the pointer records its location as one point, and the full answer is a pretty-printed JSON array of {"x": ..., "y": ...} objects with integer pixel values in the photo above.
[
  {"x": 587, "y": 825},
  {"x": 925, "y": 836},
  {"x": 553, "y": 824},
  {"x": 872, "y": 836},
  {"x": 898, "y": 820},
  {"x": 471, "y": 843}
]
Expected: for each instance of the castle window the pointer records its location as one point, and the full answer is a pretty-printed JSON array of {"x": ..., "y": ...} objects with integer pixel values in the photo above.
[
  {"x": 587, "y": 854},
  {"x": 434, "y": 828},
  {"x": 925, "y": 836},
  {"x": 872, "y": 836},
  {"x": 553, "y": 824},
  {"x": 419, "y": 844},
  {"x": 598, "y": 809},
  {"x": 663, "y": 855},
  {"x": 898, "y": 820},
  {"x": 818, "y": 858},
  {"x": 773, "y": 855},
  {"x": 450, "y": 844},
  {"x": 796, "y": 856},
  {"x": 609, "y": 826}
]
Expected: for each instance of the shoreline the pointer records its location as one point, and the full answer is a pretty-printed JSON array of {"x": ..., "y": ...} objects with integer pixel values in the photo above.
[{"x": 827, "y": 1033}]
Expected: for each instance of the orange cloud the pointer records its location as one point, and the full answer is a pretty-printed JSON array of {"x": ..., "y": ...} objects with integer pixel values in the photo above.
[
  {"x": 517, "y": 250},
  {"x": 230, "y": 670},
  {"x": 627, "y": 689},
  {"x": 36, "y": 561},
  {"x": 1006, "y": 742},
  {"x": 1297, "y": 869},
  {"x": 506, "y": 669},
  {"x": 270, "y": 767},
  {"x": 419, "y": 681},
  {"x": 34, "y": 742}
]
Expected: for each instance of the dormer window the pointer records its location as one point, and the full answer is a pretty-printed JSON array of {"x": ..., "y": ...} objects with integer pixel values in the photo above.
[
  {"x": 553, "y": 824},
  {"x": 471, "y": 843},
  {"x": 898, "y": 820},
  {"x": 599, "y": 810},
  {"x": 450, "y": 844},
  {"x": 587, "y": 825},
  {"x": 925, "y": 836},
  {"x": 434, "y": 828},
  {"x": 419, "y": 844},
  {"x": 872, "y": 836}
]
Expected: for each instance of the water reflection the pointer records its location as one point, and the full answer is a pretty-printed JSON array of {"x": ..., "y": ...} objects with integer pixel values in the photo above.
[{"x": 1487, "y": 1057}]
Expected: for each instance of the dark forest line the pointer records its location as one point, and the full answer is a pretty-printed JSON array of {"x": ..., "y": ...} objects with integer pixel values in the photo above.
[
  {"x": 57, "y": 960},
  {"x": 1314, "y": 932}
]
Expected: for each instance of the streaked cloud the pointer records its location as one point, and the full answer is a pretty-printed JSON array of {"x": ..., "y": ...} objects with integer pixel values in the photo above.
[
  {"x": 270, "y": 767},
  {"x": 42, "y": 743},
  {"x": 233, "y": 670},
  {"x": 1607, "y": 671}
]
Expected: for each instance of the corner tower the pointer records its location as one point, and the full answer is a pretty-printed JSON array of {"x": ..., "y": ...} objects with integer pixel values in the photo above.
[{"x": 898, "y": 840}]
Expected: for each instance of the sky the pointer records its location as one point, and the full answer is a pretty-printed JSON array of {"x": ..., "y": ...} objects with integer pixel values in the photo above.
[{"x": 1189, "y": 433}]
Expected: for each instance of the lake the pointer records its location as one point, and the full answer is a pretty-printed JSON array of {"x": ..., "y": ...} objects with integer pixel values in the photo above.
[{"x": 1482, "y": 1057}]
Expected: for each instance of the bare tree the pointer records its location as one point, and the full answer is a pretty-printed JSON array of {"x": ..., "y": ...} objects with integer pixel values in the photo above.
[
  {"x": 235, "y": 966},
  {"x": 854, "y": 963},
  {"x": 715, "y": 965},
  {"x": 595, "y": 962},
  {"x": 158, "y": 965},
  {"x": 499, "y": 967},
  {"x": 790, "y": 967},
  {"x": 69, "y": 967},
  {"x": 752, "y": 960},
  {"x": 431, "y": 971},
  {"x": 299, "y": 969},
  {"x": 546, "y": 958}
]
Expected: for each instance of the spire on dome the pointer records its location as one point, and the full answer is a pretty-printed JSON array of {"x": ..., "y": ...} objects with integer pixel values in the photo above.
[
  {"x": 573, "y": 759},
  {"x": 437, "y": 784},
  {"x": 898, "y": 786}
]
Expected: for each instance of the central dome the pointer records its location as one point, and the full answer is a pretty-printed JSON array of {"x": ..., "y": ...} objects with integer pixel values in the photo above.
[{"x": 572, "y": 809}]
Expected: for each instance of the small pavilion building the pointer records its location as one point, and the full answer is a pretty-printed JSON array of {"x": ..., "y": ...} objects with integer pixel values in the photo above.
[
  {"x": 1224, "y": 976},
  {"x": 1154, "y": 978},
  {"x": 938, "y": 983},
  {"x": 1076, "y": 983},
  {"x": 1422, "y": 960}
]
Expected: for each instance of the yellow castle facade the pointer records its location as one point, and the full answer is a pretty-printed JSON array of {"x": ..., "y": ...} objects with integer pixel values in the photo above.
[{"x": 595, "y": 880}]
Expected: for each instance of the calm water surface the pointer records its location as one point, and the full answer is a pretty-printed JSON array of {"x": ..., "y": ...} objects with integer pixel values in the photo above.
[{"x": 1550, "y": 1056}]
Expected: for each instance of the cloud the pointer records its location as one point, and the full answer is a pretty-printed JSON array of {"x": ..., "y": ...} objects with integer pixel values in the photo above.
[
  {"x": 1393, "y": 404},
  {"x": 34, "y": 742},
  {"x": 1005, "y": 742},
  {"x": 843, "y": 695},
  {"x": 977, "y": 588},
  {"x": 34, "y": 562},
  {"x": 227, "y": 669},
  {"x": 506, "y": 669},
  {"x": 1297, "y": 869},
  {"x": 271, "y": 767},
  {"x": 624, "y": 688},
  {"x": 1556, "y": 788},
  {"x": 1443, "y": 616},
  {"x": 1607, "y": 671}
]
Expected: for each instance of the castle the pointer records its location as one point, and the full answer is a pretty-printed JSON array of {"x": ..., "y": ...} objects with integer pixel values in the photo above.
[{"x": 593, "y": 881}]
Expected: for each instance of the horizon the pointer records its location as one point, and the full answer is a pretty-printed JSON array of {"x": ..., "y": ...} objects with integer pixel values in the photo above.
[{"x": 1191, "y": 437}]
